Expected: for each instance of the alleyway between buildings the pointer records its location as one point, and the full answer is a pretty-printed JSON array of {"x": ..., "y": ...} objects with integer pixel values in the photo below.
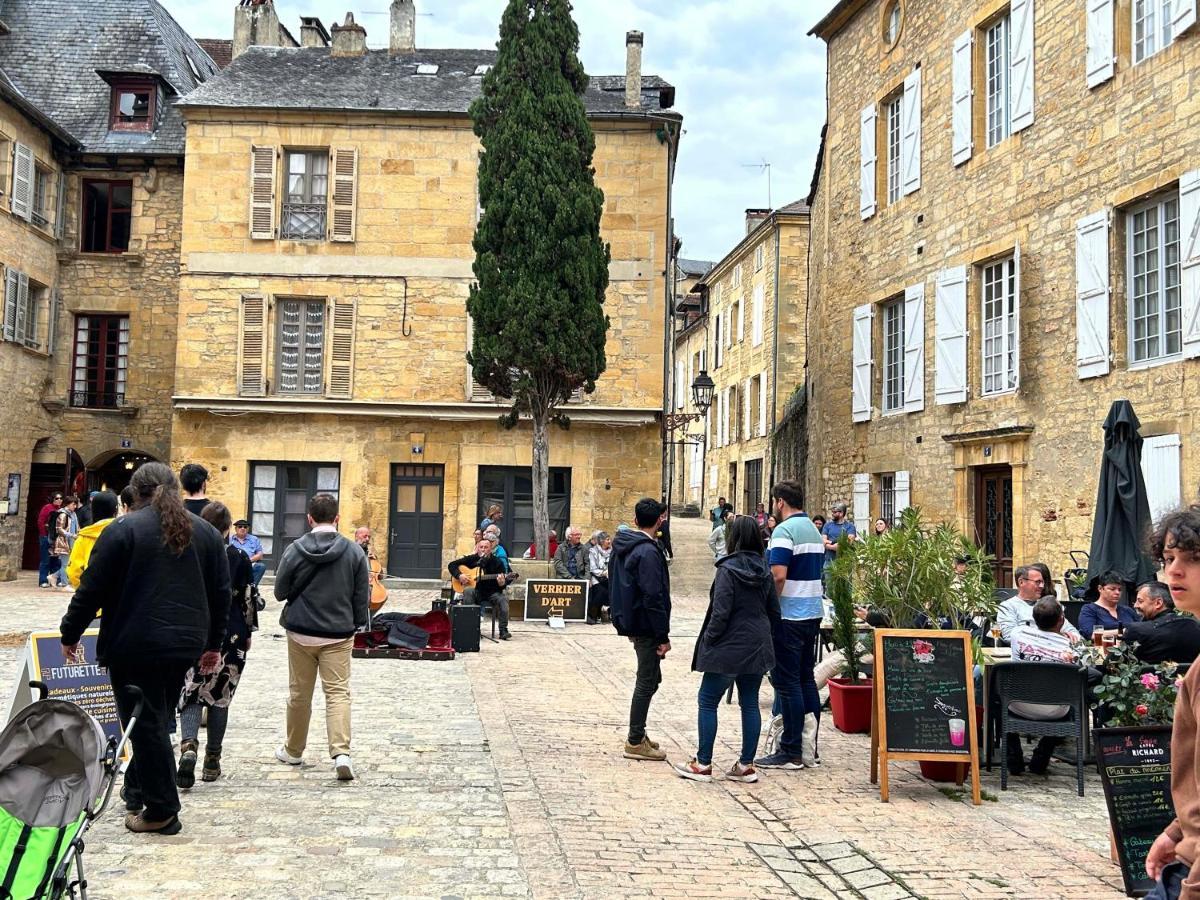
[{"x": 500, "y": 775}]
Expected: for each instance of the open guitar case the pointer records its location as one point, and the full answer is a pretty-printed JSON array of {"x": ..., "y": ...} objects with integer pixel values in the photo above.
[{"x": 399, "y": 636}]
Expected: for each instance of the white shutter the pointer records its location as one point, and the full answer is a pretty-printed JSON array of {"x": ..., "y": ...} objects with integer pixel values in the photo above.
[
  {"x": 52, "y": 322},
  {"x": 756, "y": 316},
  {"x": 762, "y": 405},
  {"x": 12, "y": 283},
  {"x": 950, "y": 336},
  {"x": 867, "y": 149},
  {"x": 1100, "y": 41},
  {"x": 1160, "y": 470},
  {"x": 1183, "y": 17},
  {"x": 910, "y": 133},
  {"x": 23, "y": 324},
  {"x": 722, "y": 418},
  {"x": 21, "y": 199},
  {"x": 903, "y": 493},
  {"x": 679, "y": 392},
  {"x": 1189, "y": 259},
  {"x": 963, "y": 91},
  {"x": 1091, "y": 296},
  {"x": 1021, "y": 64},
  {"x": 741, "y": 319},
  {"x": 861, "y": 376},
  {"x": 728, "y": 329},
  {"x": 262, "y": 193},
  {"x": 60, "y": 189},
  {"x": 747, "y": 429},
  {"x": 1016, "y": 335},
  {"x": 914, "y": 348},
  {"x": 862, "y": 502}
]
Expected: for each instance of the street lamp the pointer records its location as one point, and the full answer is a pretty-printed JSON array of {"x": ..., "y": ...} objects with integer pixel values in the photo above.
[{"x": 702, "y": 394}]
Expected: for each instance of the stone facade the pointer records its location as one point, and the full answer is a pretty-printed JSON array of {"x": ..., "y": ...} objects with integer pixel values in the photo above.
[{"x": 979, "y": 213}]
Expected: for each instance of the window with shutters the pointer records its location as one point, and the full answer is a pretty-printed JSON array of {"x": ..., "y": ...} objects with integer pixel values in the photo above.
[
  {"x": 1153, "y": 279},
  {"x": 718, "y": 354},
  {"x": 735, "y": 318},
  {"x": 999, "y": 327},
  {"x": 891, "y": 112},
  {"x": 757, "y": 412},
  {"x": 6, "y": 153},
  {"x": 133, "y": 105},
  {"x": 893, "y": 355},
  {"x": 760, "y": 253},
  {"x": 1151, "y": 26},
  {"x": 998, "y": 56},
  {"x": 737, "y": 275},
  {"x": 305, "y": 200},
  {"x": 107, "y": 216},
  {"x": 26, "y": 304},
  {"x": 887, "y": 499},
  {"x": 101, "y": 356},
  {"x": 39, "y": 209},
  {"x": 300, "y": 360}
]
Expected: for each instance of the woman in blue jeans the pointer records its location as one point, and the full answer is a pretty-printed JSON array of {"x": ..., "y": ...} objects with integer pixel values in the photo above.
[{"x": 734, "y": 647}]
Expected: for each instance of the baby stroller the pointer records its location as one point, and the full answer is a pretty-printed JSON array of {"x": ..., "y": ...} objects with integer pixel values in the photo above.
[{"x": 57, "y": 771}]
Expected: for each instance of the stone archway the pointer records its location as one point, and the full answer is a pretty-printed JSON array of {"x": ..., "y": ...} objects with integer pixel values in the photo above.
[{"x": 112, "y": 469}]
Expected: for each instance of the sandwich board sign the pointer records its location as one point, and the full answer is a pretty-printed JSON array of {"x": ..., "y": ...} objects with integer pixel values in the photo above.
[{"x": 565, "y": 598}]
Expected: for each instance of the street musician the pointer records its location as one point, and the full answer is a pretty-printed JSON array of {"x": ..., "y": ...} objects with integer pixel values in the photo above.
[{"x": 481, "y": 577}]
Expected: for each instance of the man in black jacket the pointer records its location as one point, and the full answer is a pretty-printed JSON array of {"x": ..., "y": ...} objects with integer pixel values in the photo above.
[
  {"x": 323, "y": 578},
  {"x": 1163, "y": 634},
  {"x": 640, "y": 604},
  {"x": 490, "y": 586}
]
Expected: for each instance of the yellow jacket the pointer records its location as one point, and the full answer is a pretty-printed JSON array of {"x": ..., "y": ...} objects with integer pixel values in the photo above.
[{"x": 81, "y": 552}]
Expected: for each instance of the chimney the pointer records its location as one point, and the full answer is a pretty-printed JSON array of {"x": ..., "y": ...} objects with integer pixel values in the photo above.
[
  {"x": 255, "y": 23},
  {"x": 312, "y": 32},
  {"x": 403, "y": 36},
  {"x": 633, "y": 69},
  {"x": 349, "y": 38},
  {"x": 754, "y": 217}
]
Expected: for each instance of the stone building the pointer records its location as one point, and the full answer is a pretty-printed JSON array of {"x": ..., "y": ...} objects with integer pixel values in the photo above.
[
  {"x": 1005, "y": 240},
  {"x": 93, "y": 151},
  {"x": 689, "y": 330},
  {"x": 329, "y": 210},
  {"x": 751, "y": 339}
]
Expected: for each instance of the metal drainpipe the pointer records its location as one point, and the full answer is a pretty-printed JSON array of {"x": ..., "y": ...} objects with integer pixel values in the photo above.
[
  {"x": 669, "y": 292},
  {"x": 774, "y": 360}
]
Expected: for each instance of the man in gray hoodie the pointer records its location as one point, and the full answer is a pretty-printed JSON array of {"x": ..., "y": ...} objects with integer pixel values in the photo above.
[{"x": 322, "y": 579}]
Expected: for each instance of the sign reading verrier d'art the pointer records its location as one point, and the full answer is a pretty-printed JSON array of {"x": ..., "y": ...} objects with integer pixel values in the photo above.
[{"x": 545, "y": 597}]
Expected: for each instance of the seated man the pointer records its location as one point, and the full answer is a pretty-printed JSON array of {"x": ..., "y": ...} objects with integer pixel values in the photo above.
[
  {"x": 251, "y": 546},
  {"x": 1163, "y": 634},
  {"x": 571, "y": 558},
  {"x": 1018, "y": 610},
  {"x": 489, "y": 583},
  {"x": 1042, "y": 641}
]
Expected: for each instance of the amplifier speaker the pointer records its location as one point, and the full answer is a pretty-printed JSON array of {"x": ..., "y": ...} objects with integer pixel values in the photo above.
[{"x": 464, "y": 628}]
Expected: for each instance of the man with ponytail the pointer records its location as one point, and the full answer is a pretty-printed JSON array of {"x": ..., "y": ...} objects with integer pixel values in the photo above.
[{"x": 162, "y": 577}]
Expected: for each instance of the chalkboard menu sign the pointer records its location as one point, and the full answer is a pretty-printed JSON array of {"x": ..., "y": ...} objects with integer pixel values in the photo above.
[
  {"x": 1135, "y": 769},
  {"x": 925, "y": 699}
]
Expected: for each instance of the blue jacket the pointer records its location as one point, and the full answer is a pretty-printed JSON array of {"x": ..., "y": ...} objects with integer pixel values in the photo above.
[{"x": 639, "y": 587}]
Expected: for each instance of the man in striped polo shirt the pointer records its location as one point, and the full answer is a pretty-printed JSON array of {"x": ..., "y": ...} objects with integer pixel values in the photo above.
[{"x": 796, "y": 557}]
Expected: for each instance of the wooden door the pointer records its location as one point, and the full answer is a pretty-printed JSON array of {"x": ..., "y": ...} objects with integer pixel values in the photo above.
[
  {"x": 415, "y": 522},
  {"x": 994, "y": 519}
]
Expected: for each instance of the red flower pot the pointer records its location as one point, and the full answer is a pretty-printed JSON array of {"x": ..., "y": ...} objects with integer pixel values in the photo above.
[
  {"x": 935, "y": 770},
  {"x": 851, "y": 705}
]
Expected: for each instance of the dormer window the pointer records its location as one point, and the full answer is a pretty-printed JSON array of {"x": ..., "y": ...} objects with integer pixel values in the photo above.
[
  {"x": 133, "y": 105},
  {"x": 427, "y": 68}
]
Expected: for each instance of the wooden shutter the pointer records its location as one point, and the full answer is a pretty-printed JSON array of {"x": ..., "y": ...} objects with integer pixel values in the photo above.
[
  {"x": 914, "y": 348},
  {"x": 963, "y": 91},
  {"x": 741, "y": 319},
  {"x": 1021, "y": 64},
  {"x": 950, "y": 336},
  {"x": 23, "y": 324},
  {"x": 1101, "y": 56},
  {"x": 1016, "y": 328},
  {"x": 1183, "y": 17},
  {"x": 756, "y": 315},
  {"x": 262, "y": 193},
  {"x": 22, "y": 186},
  {"x": 747, "y": 422},
  {"x": 1160, "y": 471},
  {"x": 903, "y": 493},
  {"x": 1189, "y": 260},
  {"x": 252, "y": 349},
  {"x": 1091, "y": 296},
  {"x": 862, "y": 502},
  {"x": 344, "y": 164},
  {"x": 12, "y": 283},
  {"x": 861, "y": 375},
  {"x": 728, "y": 329},
  {"x": 59, "y": 199},
  {"x": 867, "y": 179},
  {"x": 52, "y": 321},
  {"x": 339, "y": 366},
  {"x": 910, "y": 133},
  {"x": 762, "y": 405}
]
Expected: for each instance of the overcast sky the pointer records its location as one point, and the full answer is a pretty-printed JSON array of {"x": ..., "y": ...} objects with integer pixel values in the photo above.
[{"x": 749, "y": 83}]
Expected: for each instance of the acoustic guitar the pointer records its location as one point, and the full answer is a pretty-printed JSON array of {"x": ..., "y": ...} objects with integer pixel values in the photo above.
[
  {"x": 472, "y": 578},
  {"x": 375, "y": 579}
]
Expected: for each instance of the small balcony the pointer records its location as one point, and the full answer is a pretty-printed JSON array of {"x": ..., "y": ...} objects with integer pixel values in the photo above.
[
  {"x": 97, "y": 399},
  {"x": 303, "y": 222}
]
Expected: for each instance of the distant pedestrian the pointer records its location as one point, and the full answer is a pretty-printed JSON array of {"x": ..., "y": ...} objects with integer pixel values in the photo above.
[
  {"x": 243, "y": 540},
  {"x": 104, "y": 510},
  {"x": 818, "y": 522},
  {"x": 714, "y": 514},
  {"x": 571, "y": 558},
  {"x": 125, "y": 501},
  {"x": 48, "y": 565},
  {"x": 323, "y": 579},
  {"x": 493, "y": 516},
  {"x": 760, "y": 515},
  {"x": 716, "y": 538},
  {"x": 598, "y": 560},
  {"x": 832, "y": 531},
  {"x": 734, "y": 646},
  {"x": 162, "y": 577},
  {"x": 66, "y": 528},
  {"x": 194, "y": 479},
  {"x": 663, "y": 536},
  {"x": 640, "y": 605},
  {"x": 882, "y": 526}
]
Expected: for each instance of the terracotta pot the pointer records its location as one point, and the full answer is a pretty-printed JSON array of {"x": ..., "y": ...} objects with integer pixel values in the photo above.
[
  {"x": 851, "y": 705},
  {"x": 939, "y": 771}
]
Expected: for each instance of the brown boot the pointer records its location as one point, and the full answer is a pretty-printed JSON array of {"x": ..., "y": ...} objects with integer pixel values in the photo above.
[
  {"x": 135, "y": 822},
  {"x": 212, "y": 766},
  {"x": 185, "y": 772}
]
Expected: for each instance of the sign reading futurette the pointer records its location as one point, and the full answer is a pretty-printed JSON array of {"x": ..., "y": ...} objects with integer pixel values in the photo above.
[{"x": 546, "y": 597}]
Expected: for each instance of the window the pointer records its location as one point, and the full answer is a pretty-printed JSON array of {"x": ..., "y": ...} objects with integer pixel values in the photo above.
[
  {"x": 512, "y": 488},
  {"x": 278, "y": 502},
  {"x": 1151, "y": 27},
  {"x": 887, "y": 498},
  {"x": 301, "y": 362},
  {"x": 101, "y": 352},
  {"x": 737, "y": 275},
  {"x": 893, "y": 355},
  {"x": 759, "y": 256},
  {"x": 717, "y": 341},
  {"x": 735, "y": 314},
  {"x": 6, "y": 153},
  {"x": 106, "y": 216},
  {"x": 753, "y": 486},
  {"x": 38, "y": 213},
  {"x": 132, "y": 106},
  {"x": 307, "y": 190},
  {"x": 891, "y": 110},
  {"x": 1000, "y": 327},
  {"x": 754, "y": 426},
  {"x": 1155, "y": 321},
  {"x": 999, "y": 55},
  {"x": 891, "y": 23},
  {"x": 23, "y": 302}
]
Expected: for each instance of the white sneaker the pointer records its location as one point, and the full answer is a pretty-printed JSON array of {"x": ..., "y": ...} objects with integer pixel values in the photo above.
[
  {"x": 341, "y": 765},
  {"x": 284, "y": 757},
  {"x": 774, "y": 729},
  {"x": 808, "y": 741}
]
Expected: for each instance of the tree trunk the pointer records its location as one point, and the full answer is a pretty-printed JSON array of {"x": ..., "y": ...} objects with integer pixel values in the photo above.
[{"x": 541, "y": 484}]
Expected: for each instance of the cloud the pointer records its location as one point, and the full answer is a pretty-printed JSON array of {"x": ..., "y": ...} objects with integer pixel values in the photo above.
[{"x": 750, "y": 85}]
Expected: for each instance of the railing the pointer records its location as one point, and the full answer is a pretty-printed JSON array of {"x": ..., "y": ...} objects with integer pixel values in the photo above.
[
  {"x": 303, "y": 221},
  {"x": 97, "y": 399},
  {"x": 38, "y": 218}
]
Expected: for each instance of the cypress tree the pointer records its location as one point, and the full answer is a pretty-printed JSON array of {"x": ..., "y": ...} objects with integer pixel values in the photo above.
[{"x": 541, "y": 268}]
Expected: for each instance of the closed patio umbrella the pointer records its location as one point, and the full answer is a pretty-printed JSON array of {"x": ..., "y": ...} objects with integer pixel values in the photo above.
[{"x": 1122, "y": 509}]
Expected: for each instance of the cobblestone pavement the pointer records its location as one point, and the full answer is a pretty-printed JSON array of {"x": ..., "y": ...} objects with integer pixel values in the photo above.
[{"x": 500, "y": 774}]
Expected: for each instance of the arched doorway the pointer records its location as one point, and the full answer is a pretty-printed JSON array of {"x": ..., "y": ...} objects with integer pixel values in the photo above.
[{"x": 112, "y": 469}]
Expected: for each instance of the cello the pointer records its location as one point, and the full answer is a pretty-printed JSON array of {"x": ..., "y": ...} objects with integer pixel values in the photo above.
[{"x": 375, "y": 580}]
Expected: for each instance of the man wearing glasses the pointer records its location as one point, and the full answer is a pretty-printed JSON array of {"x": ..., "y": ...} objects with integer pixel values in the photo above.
[
  {"x": 48, "y": 563},
  {"x": 1018, "y": 610}
]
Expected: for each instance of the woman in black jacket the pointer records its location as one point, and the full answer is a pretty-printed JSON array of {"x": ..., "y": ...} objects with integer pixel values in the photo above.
[
  {"x": 734, "y": 646},
  {"x": 161, "y": 575}
]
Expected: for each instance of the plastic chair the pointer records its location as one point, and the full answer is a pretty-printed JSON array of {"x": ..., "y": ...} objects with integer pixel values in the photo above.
[
  {"x": 1002, "y": 594},
  {"x": 1056, "y": 684}
]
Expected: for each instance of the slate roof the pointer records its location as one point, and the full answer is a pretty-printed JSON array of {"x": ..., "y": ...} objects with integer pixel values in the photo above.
[
  {"x": 54, "y": 50},
  {"x": 13, "y": 95},
  {"x": 219, "y": 50},
  {"x": 311, "y": 78},
  {"x": 694, "y": 266}
]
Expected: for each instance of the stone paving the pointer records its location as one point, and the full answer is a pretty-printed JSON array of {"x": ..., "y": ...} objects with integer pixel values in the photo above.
[{"x": 499, "y": 774}]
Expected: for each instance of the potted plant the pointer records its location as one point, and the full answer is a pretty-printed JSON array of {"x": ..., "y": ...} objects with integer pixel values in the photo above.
[
  {"x": 1131, "y": 692},
  {"x": 849, "y": 695}
]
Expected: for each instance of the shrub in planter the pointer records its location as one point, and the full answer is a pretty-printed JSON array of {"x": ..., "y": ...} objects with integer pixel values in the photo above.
[{"x": 849, "y": 696}]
